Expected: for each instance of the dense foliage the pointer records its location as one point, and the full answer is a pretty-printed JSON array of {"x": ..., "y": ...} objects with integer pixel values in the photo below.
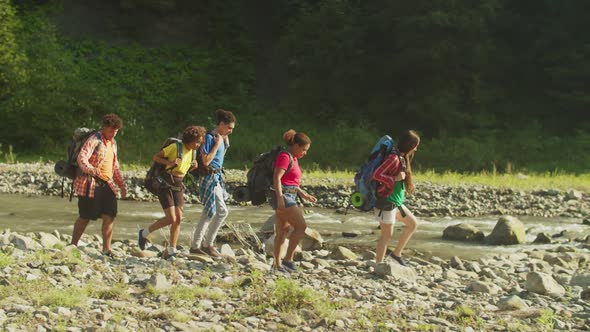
[{"x": 494, "y": 84}]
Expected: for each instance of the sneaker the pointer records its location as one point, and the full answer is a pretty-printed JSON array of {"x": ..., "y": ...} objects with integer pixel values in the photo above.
[
  {"x": 166, "y": 255},
  {"x": 197, "y": 251},
  {"x": 398, "y": 259},
  {"x": 141, "y": 241},
  {"x": 212, "y": 251},
  {"x": 290, "y": 266},
  {"x": 108, "y": 254},
  {"x": 282, "y": 270}
]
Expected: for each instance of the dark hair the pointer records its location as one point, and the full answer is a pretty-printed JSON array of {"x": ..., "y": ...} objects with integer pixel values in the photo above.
[
  {"x": 292, "y": 137},
  {"x": 408, "y": 140},
  {"x": 224, "y": 116},
  {"x": 112, "y": 120},
  {"x": 193, "y": 133}
]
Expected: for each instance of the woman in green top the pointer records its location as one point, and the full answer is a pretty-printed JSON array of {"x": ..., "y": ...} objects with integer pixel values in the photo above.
[{"x": 395, "y": 179}]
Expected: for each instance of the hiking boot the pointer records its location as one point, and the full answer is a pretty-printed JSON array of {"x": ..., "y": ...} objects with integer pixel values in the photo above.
[
  {"x": 212, "y": 251},
  {"x": 399, "y": 259},
  {"x": 141, "y": 241},
  {"x": 290, "y": 266},
  {"x": 197, "y": 251}
]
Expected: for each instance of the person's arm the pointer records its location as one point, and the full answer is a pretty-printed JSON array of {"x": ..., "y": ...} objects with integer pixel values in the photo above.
[
  {"x": 303, "y": 194},
  {"x": 276, "y": 184},
  {"x": 84, "y": 156},
  {"x": 118, "y": 177},
  {"x": 160, "y": 158},
  {"x": 208, "y": 156}
]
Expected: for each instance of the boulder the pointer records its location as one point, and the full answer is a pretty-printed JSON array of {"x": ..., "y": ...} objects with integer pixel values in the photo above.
[
  {"x": 508, "y": 230},
  {"x": 542, "y": 238},
  {"x": 544, "y": 284},
  {"x": 394, "y": 269},
  {"x": 48, "y": 240},
  {"x": 582, "y": 280},
  {"x": 463, "y": 232},
  {"x": 342, "y": 253},
  {"x": 312, "y": 240},
  {"x": 512, "y": 303},
  {"x": 24, "y": 242}
]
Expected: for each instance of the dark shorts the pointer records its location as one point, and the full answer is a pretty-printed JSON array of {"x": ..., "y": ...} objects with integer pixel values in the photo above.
[
  {"x": 103, "y": 202},
  {"x": 169, "y": 197},
  {"x": 289, "y": 196}
]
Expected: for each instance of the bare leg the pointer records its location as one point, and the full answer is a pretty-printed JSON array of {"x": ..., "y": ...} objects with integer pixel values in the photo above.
[
  {"x": 164, "y": 221},
  {"x": 107, "y": 232},
  {"x": 384, "y": 238},
  {"x": 79, "y": 227},
  {"x": 175, "y": 226},
  {"x": 281, "y": 228},
  {"x": 296, "y": 220},
  {"x": 411, "y": 223}
]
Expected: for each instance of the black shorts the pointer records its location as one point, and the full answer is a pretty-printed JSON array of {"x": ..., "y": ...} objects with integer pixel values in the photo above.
[
  {"x": 103, "y": 202},
  {"x": 169, "y": 197}
]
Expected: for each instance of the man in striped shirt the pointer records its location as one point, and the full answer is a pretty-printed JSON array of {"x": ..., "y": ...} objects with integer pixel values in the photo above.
[{"x": 95, "y": 183}]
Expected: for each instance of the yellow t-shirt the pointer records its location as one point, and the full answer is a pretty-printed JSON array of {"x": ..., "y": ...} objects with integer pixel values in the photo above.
[
  {"x": 187, "y": 158},
  {"x": 106, "y": 166}
]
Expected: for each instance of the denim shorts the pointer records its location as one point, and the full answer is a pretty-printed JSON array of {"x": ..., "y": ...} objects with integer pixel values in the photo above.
[{"x": 289, "y": 196}]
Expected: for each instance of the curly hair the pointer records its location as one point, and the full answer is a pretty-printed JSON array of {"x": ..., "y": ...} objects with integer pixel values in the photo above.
[
  {"x": 112, "y": 120},
  {"x": 193, "y": 133}
]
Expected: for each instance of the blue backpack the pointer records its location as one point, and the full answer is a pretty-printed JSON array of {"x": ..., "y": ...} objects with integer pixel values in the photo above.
[{"x": 365, "y": 195}]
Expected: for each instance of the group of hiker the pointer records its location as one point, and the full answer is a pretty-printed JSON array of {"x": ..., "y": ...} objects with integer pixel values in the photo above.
[{"x": 99, "y": 172}]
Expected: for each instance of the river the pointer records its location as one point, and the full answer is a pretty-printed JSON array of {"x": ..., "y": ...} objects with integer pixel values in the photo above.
[{"x": 47, "y": 213}]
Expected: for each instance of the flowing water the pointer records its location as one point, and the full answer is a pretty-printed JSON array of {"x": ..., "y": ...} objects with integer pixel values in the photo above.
[{"x": 44, "y": 213}]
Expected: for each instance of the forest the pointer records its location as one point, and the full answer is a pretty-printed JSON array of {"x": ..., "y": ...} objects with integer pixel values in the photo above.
[{"x": 490, "y": 85}]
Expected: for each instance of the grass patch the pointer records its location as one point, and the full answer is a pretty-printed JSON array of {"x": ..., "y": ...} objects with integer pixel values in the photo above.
[
  {"x": 5, "y": 260},
  {"x": 546, "y": 320},
  {"x": 69, "y": 297},
  {"x": 116, "y": 292}
]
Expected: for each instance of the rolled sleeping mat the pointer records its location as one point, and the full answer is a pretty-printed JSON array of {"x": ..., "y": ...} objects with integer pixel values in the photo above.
[{"x": 356, "y": 199}]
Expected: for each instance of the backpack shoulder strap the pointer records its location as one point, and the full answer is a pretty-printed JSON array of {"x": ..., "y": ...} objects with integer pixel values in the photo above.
[{"x": 179, "y": 150}]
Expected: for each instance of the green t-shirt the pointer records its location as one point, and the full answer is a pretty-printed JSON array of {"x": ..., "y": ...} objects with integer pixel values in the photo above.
[{"x": 398, "y": 195}]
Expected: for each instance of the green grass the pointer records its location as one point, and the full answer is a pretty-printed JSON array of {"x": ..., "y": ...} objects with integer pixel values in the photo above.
[
  {"x": 69, "y": 298},
  {"x": 5, "y": 260},
  {"x": 518, "y": 181}
]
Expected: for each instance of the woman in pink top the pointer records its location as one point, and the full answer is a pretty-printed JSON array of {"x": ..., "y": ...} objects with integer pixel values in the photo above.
[{"x": 286, "y": 189}]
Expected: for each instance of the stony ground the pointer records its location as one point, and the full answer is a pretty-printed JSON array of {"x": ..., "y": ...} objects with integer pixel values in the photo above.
[{"x": 46, "y": 284}]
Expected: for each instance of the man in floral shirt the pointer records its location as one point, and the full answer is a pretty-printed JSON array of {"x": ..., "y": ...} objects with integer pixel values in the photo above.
[{"x": 95, "y": 183}]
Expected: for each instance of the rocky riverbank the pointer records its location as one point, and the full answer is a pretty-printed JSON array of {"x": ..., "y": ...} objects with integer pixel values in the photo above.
[
  {"x": 430, "y": 200},
  {"x": 46, "y": 284}
]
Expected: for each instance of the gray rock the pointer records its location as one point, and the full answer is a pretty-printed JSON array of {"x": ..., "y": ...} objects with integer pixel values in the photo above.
[
  {"x": 542, "y": 238},
  {"x": 484, "y": 287},
  {"x": 513, "y": 302},
  {"x": 508, "y": 230},
  {"x": 48, "y": 240},
  {"x": 159, "y": 282},
  {"x": 544, "y": 284},
  {"x": 582, "y": 280},
  {"x": 312, "y": 240},
  {"x": 585, "y": 294},
  {"x": 394, "y": 269},
  {"x": 24, "y": 242},
  {"x": 342, "y": 253},
  {"x": 463, "y": 232}
]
